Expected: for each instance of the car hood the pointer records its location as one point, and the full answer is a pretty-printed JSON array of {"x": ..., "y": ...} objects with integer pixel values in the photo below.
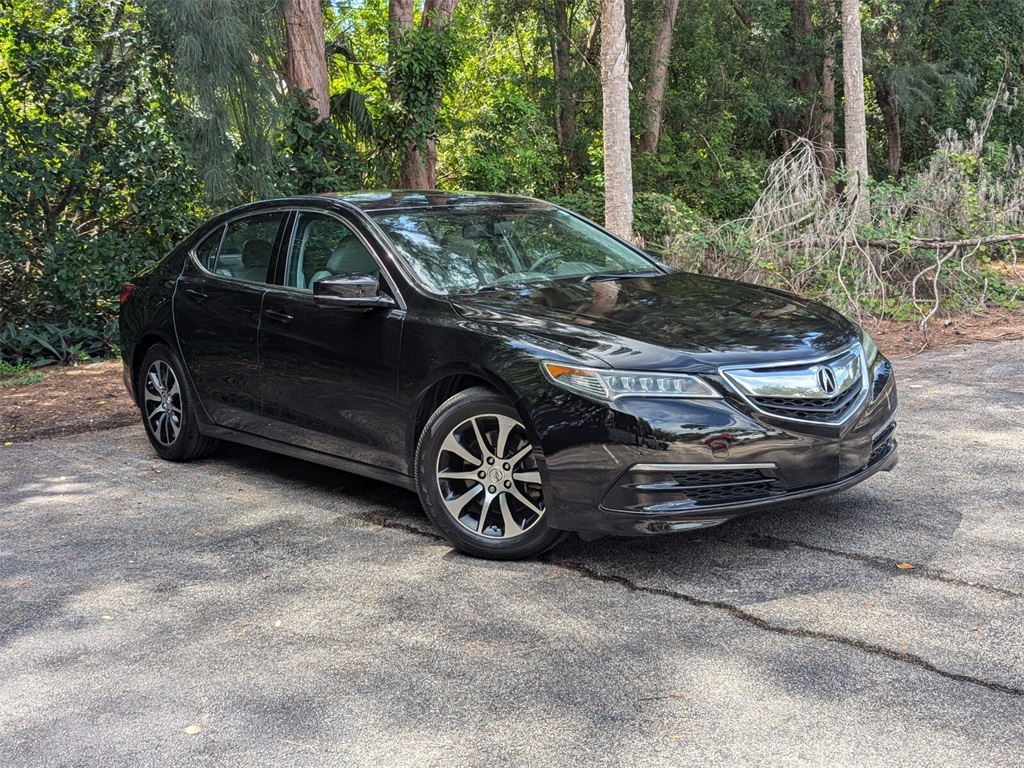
[{"x": 667, "y": 322}]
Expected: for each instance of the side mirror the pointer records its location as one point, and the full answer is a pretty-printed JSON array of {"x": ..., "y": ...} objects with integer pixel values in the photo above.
[{"x": 355, "y": 291}]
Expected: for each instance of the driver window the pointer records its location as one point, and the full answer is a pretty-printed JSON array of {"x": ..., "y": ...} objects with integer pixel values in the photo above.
[{"x": 322, "y": 247}]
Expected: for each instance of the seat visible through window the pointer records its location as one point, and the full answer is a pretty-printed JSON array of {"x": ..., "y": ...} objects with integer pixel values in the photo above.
[
  {"x": 255, "y": 260},
  {"x": 349, "y": 257}
]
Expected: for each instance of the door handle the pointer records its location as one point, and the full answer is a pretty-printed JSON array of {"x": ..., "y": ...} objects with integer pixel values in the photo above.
[
  {"x": 278, "y": 315},
  {"x": 197, "y": 295}
]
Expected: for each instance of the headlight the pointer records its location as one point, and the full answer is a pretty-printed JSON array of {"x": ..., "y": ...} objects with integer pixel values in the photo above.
[
  {"x": 870, "y": 348},
  {"x": 600, "y": 384}
]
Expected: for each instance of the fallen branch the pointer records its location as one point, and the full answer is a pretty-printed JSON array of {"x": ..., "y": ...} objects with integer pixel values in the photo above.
[{"x": 916, "y": 242}]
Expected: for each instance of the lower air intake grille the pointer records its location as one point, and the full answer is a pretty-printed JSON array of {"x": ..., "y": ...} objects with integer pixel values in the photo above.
[
  {"x": 881, "y": 443},
  {"x": 725, "y": 485}
]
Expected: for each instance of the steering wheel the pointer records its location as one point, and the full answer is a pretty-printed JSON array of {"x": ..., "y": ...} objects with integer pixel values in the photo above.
[
  {"x": 543, "y": 261},
  {"x": 518, "y": 277}
]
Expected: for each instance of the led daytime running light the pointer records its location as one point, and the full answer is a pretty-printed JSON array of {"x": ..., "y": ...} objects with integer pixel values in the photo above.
[{"x": 611, "y": 385}]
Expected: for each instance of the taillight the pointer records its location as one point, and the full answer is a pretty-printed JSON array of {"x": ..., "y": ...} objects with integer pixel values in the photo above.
[{"x": 126, "y": 291}]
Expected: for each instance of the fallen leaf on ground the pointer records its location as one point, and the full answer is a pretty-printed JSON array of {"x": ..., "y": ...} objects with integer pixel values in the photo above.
[
  {"x": 905, "y": 566},
  {"x": 193, "y": 729}
]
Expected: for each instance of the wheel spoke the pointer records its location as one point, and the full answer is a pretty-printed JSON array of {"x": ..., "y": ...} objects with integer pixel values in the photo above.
[
  {"x": 151, "y": 397},
  {"x": 505, "y": 427},
  {"x": 529, "y": 476},
  {"x": 456, "y": 505},
  {"x": 484, "y": 448},
  {"x": 525, "y": 500},
  {"x": 485, "y": 508},
  {"x": 452, "y": 445},
  {"x": 467, "y": 475},
  {"x": 511, "y": 526},
  {"x": 166, "y": 376},
  {"x": 174, "y": 391},
  {"x": 154, "y": 380},
  {"x": 523, "y": 453}
]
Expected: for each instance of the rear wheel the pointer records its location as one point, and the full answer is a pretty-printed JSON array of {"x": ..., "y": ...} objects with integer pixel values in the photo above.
[
  {"x": 479, "y": 479},
  {"x": 168, "y": 408}
]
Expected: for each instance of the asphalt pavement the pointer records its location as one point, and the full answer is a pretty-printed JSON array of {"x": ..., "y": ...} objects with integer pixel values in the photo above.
[{"x": 254, "y": 610}]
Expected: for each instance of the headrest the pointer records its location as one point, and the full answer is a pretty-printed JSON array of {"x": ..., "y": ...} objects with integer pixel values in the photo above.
[
  {"x": 351, "y": 256},
  {"x": 256, "y": 253}
]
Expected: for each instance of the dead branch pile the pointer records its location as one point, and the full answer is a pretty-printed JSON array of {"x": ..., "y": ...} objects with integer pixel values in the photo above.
[{"x": 949, "y": 234}]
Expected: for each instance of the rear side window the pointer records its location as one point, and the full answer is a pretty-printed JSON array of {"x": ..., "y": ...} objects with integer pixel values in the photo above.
[
  {"x": 206, "y": 251},
  {"x": 245, "y": 248}
]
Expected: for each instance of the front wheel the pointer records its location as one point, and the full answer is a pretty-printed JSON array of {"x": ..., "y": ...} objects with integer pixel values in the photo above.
[
  {"x": 168, "y": 408},
  {"x": 479, "y": 480}
]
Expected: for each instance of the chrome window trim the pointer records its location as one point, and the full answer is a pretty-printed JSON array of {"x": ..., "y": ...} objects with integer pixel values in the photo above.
[
  {"x": 288, "y": 211},
  {"x": 285, "y": 211},
  {"x": 369, "y": 245}
]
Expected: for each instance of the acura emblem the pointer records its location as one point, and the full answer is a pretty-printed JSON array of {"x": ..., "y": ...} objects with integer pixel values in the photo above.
[{"x": 826, "y": 380}]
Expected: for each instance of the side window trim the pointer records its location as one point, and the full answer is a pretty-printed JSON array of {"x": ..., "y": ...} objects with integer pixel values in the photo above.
[
  {"x": 352, "y": 226},
  {"x": 282, "y": 229},
  {"x": 193, "y": 251}
]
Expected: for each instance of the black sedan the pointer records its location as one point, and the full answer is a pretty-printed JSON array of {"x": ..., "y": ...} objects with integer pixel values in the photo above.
[{"x": 521, "y": 369}]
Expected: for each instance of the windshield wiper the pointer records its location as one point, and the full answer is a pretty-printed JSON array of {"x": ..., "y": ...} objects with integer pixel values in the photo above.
[
  {"x": 479, "y": 289},
  {"x": 605, "y": 276}
]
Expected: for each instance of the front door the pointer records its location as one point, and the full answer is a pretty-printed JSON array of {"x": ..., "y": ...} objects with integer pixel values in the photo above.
[{"x": 329, "y": 374}]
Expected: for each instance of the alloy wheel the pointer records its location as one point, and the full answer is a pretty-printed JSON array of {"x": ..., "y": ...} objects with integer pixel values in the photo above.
[
  {"x": 162, "y": 403},
  {"x": 488, "y": 477}
]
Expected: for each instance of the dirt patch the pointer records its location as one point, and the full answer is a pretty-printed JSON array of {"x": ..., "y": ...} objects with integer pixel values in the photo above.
[
  {"x": 946, "y": 330},
  {"x": 65, "y": 402},
  {"x": 92, "y": 397}
]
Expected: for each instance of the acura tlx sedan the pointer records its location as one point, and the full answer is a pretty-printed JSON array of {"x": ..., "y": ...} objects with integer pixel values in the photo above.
[{"x": 521, "y": 369}]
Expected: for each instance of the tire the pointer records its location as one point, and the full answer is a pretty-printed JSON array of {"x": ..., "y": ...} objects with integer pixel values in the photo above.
[
  {"x": 501, "y": 515},
  {"x": 168, "y": 408}
]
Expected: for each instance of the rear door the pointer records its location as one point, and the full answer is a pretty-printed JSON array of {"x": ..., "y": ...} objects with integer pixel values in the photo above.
[
  {"x": 217, "y": 307},
  {"x": 329, "y": 373}
]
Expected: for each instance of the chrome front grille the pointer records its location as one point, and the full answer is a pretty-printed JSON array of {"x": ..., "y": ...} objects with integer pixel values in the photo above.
[
  {"x": 823, "y": 391},
  {"x": 825, "y": 410}
]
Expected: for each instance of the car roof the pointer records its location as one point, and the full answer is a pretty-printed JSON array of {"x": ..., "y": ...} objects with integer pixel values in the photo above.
[{"x": 410, "y": 199}]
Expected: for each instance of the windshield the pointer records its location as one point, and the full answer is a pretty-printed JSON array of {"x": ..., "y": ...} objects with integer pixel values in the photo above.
[{"x": 470, "y": 248}]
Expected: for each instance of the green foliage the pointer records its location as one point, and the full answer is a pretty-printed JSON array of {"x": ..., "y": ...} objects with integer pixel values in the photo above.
[
  {"x": 92, "y": 185},
  {"x": 222, "y": 60},
  {"x": 421, "y": 67},
  {"x": 313, "y": 156},
  {"x": 917, "y": 252},
  {"x": 48, "y": 343},
  {"x": 17, "y": 375}
]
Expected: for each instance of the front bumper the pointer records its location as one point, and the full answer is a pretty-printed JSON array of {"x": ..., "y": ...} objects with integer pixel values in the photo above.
[
  {"x": 677, "y": 516},
  {"x": 648, "y": 466}
]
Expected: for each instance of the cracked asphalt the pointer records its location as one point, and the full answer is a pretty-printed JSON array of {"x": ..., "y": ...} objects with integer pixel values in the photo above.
[{"x": 253, "y": 610}]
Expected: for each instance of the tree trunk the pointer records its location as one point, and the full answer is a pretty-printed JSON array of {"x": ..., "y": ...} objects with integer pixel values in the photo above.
[
  {"x": 565, "y": 103},
  {"x": 399, "y": 17},
  {"x": 306, "y": 54},
  {"x": 654, "y": 98},
  {"x": 618, "y": 168},
  {"x": 419, "y": 166},
  {"x": 893, "y": 135},
  {"x": 853, "y": 99},
  {"x": 807, "y": 80},
  {"x": 827, "y": 153}
]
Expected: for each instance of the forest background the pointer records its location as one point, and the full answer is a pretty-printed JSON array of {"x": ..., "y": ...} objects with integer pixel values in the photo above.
[{"x": 123, "y": 123}]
